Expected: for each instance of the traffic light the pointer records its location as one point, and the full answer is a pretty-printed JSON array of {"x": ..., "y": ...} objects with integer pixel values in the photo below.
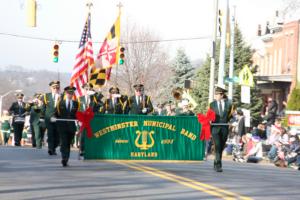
[
  {"x": 220, "y": 21},
  {"x": 122, "y": 56},
  {"x": 31, "y": 13},
  {"x": 55, "y": 53}
]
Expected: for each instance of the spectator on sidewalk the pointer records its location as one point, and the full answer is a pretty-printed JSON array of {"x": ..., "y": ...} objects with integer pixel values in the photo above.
[
  {"x": 281, "y": 113},
  {"x": 293, "y": 155},
  {"x": 271, "y": 113},
  {"x": 255, "y": 154},
  {"x": 240, "y": 128},
  {"x": 260, "y": 131},
  {"x": 277, "y": 139}
]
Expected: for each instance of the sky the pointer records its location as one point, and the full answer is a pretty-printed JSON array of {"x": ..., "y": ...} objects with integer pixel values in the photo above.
[{"x": 64, "y": 20}]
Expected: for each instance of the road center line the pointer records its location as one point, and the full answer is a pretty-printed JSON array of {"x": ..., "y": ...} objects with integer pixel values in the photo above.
[{"x": 209, "y": 189}]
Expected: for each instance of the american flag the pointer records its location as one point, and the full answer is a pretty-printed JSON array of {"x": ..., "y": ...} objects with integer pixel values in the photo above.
[{"x": 84, "y": 59}]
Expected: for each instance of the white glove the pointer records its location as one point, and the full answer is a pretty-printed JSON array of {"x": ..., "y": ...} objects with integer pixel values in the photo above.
[
  {"x": 116, "y": 95},
  {"x": 144, "y": 110},
  {"x": 90, "y": 92},
  {"x": 53, "y": 119}
]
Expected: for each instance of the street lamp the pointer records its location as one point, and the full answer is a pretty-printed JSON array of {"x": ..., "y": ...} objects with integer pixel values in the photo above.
[{"x": 1, "y": 98}]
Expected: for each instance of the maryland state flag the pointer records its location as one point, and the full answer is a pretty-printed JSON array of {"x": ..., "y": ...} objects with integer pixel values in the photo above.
[
  {"x": 108, "y": 55},
  {"x": 98, "y": 77}
]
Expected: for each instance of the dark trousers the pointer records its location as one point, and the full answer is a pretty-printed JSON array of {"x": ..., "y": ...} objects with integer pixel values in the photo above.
[
  {"x": 82, "y": 138},
  {"x": 18, "y": 130},
  {"x": 53, "y": 135},
  {"x": 219, "y": 136},
  {"x": 66, "y": 137}
]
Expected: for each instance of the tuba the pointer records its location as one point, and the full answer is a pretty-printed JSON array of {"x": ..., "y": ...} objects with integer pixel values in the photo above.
[{"x": 179, "y": 94}]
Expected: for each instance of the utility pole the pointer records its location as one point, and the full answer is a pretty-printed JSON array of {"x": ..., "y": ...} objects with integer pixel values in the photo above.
[
  {"x": 231, "y": 59},
  {"x": 223, "y": 46},
  {"x": 213, "y": 53}
]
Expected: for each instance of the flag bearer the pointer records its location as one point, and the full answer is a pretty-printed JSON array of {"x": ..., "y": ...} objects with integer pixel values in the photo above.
[{"x": 65, "y": 113}]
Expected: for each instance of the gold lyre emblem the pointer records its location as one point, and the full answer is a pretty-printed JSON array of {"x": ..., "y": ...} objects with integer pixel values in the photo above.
[{"x": 144, "y": 145}]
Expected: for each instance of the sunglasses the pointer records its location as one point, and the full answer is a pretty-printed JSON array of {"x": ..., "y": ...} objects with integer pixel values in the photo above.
[{"x": 55, "y": 87}]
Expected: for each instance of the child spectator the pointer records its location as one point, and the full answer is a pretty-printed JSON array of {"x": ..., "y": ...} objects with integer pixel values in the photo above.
[
  {"x": 255, "y": 154},
  {"x": 293, "y": 155}
]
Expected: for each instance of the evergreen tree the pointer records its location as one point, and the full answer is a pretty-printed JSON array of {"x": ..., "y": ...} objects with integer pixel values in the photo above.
[
  {"x": 242, "y": 56},
  {"x": 294, "y": 103},
  {"x": 182, "y": 69},
  {"x": 200, "y": 91}
]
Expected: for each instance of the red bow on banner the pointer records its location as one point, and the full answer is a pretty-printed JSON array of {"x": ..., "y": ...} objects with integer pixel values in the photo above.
[
  {"x": 205, "y": 120},
  {"x": 85, "y": 119}
]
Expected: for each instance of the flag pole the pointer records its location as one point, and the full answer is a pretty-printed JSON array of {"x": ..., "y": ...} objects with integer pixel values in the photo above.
[{"x": 89, "y": 4}]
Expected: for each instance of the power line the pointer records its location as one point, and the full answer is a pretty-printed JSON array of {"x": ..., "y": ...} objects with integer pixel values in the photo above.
[{"x": 77, "y": 41}]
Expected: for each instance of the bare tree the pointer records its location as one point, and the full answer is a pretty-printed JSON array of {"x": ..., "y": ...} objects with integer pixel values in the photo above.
[
  {"x": 290, "y": 8},
  {"x": 146, "y": 62}
]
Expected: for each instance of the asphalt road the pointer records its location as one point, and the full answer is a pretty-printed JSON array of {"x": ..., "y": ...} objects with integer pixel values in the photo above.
[{"x": 27, "y": 173}]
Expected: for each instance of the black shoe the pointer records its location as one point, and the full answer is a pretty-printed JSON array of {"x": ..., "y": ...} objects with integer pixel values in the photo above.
[
  {"x": 64, "y": 162},
  {"x": 50, "y": 153},
  {"x": 215, "y": 165},
  {"x": 219, "y": 169},
  {"x": 81, "y": 153}
]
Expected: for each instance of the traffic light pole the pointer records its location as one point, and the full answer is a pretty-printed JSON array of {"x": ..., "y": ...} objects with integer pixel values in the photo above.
[{"x": 213, "y": 54}]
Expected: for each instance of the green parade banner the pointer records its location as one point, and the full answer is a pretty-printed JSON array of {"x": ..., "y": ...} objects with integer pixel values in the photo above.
[{"x": 139, "y": 137}]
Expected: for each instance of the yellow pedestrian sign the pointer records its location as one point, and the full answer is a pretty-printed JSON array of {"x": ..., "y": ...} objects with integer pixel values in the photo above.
[{"x": 246, "y": 77}]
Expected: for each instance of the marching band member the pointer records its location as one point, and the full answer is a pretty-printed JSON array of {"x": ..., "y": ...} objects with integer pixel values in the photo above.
[
  {"x": 224, "y": 110},
  {"x": 36, "y": 107},
  {"x": 17, "y": 109},
  {"x": 115, "y": 103},
  {"x": 5, "y": 127},
  {"x": 89, "y": 99},
  {"x": 140, "y": 104},
  {"x": 49, "y": 103},
  {"x": 66, "y": 111}
]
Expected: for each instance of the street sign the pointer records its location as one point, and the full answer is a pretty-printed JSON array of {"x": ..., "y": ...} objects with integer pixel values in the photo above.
[{"x": 246, "y": 77}]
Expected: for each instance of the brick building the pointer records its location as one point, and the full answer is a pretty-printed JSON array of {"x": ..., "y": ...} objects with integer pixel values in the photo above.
[{"x": 277, "y": 55}]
